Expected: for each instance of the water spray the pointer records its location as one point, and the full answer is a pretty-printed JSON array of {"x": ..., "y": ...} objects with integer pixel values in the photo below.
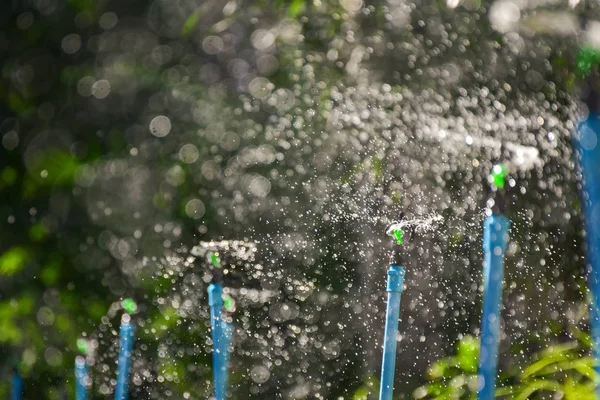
[
  {"x": 125, "y": 350},
  {"x": 518, "y": 157},
  {"x": 222, "y": 330},
  {"x": 495, "y": 240},
  {"x": 395, "y": 284}
]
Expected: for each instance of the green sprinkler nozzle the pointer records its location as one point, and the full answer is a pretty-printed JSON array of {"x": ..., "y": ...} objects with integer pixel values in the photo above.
[
  {"x": 399, "y": 235},
  {"x": 129, "y": 306},
  {"x": 586, "y": 58},
  {"x": 228, "y": 303},
  {"x": 215, "y": 260},
  {"x": 498, "y": 175},
  {"x": 82, "y": 345},
  {"x": 395, "y": 231}
]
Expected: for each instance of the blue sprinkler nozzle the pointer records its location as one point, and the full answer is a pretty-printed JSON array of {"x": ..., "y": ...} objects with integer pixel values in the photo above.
[
  {"x": 125, "y": 352},
  {"x": 81, "y": 376},
  {"x": 495, "y": 240},
  {"x": 588, "y": 147}
]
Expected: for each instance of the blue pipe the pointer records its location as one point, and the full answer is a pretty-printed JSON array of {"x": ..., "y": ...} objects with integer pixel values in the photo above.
[
  {"x": 81, "y": 373},
  {"x": 495, "y": 240},
  {"x": 588, "y": 147},
  {"x": 227, "y": 334},
  {"x": 220, "y": 346},
  {"x": 395, "y": 282},
  {"x": 125, "y": 351},
  {"x": 17, "y": 386}
]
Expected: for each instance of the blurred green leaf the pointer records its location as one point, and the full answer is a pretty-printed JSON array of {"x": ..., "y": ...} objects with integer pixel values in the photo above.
[
  {"x": 86, "y": 6},
  {"x": 54, "y": 166},
  {"x": 190, "y": 23},
  {"x": 50, "y": 274},
  {"x": 362, "y": 393},
  {"x": 8, "y": 177},
  {"x": 438, "y": 369},
  {"x": 37, "y": 232},
  {"x": 550, "y": 356},
  {"x": 13, "y": 260},
  {"x": 539, "y": 385},
  {"x": 295, "y": 8},
  {"x": 468, "y": 353}
]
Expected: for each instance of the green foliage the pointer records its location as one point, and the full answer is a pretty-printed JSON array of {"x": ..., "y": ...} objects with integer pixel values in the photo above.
[
  {"x": 294, "y": 7},
  {"x": 565, "y": 370},
  {"x": 54, "y": 166},
  {"x": 10, "y": 311},
  {"x": 13, "y": 261},
  {"x": 368, "y": 388},
  {"x": 190, "y": 23},
  {"x": 8, "y": 177},
  {"x": 453, "y": 377}
]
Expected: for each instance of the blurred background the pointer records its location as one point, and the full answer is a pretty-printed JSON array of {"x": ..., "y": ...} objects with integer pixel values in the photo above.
[{"x": 132, "y": 130}]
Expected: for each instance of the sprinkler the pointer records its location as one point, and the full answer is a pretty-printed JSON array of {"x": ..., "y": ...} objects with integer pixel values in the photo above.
[
  {"x": 215, "y": 302},
  {"x": 588, "y": 149},
  {"x": 81, "y": 374},
  {"x": 17, "y": 384},
  {"x": 220, "y": 305},
  {"x": 86, "y": 349},
  {"x": 395, "y": 283},
  {"x": 518, "y": 158},
  {"x": 126, "y": 348},
  {"x": 495, "y": 239}
]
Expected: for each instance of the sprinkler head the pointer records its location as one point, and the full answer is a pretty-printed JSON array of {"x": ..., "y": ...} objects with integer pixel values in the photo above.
[
  {"x": 587, "y": 57},
  {"x": 395, "y": 231},
  {"x": 228, "y": 303},
  {"x": 398, "y": 229},
  {"x": 399, "y": 235},
  {"x": 498, "y": 175},
  {"x": 496, "y": 203},
  {"x": 82, "y": 345},
  {"x": 215, "y": 260},
  {"x": 129, "y": 306},
  {"x": 215, "y": 256}
]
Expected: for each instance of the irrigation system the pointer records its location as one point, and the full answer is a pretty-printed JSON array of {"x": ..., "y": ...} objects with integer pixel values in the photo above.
[
  {"x": 214, "y": 255},
  {"x": 127, "y": 338},
  {"x": 395, "y": 284},
  {"x": 495, "y": 240},
  {"x": 588, "y": 146},
  {"x": 81, "y": 373}
]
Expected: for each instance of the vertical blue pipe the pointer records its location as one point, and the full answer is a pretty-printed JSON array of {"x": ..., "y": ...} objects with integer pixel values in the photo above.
[
  {"x": 81, "y": 373},
  {"x": 17, "y": 386},
  {"x": 395, "y": 281},
  {"x": 588, "y": 147},
  {"x": 495, "y": 239},
  {"x": 125, "y": 351},
  {"x": 219, "y": 356},
  {"x": 227, "y": 334}
]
